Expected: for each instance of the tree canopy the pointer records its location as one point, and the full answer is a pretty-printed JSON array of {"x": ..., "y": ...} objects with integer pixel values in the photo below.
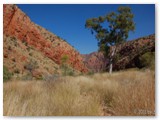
[{"x": 113, "y": 28}]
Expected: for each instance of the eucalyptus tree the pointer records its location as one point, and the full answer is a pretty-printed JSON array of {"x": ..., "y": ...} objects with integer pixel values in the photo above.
[{"x": 111, "y": 29}]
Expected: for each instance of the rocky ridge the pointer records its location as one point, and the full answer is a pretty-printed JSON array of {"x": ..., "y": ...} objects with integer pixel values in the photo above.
[
  {"x": 127, "y": 55},
  {"x": 18, "y": 26}
]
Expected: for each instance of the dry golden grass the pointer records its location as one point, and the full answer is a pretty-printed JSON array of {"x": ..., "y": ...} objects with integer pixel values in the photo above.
[{"x": 129, "y": 92}]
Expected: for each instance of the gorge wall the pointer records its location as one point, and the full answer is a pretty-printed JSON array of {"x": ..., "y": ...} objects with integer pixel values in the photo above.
[{"x": 18, "y": 26}]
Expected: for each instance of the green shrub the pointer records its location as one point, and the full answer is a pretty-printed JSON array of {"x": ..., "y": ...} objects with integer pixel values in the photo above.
[
  {"x": 64, "y": 65},
  {"x": 117, "y": 57},
  {"x": 67, "y": 70},
  {"x": 6, "y": 74},
  {"x": 9, "y": 48},
  {"x": 71, "y": 73},
  {"x": 17, "y": 71},
  {"x": 147, "y": 60},
  {"x": 39, "y": 77},
  {"x": 90, "y": 73},
  {"x": 28, "y": 76},
  {"x": 30, "y": 54}
]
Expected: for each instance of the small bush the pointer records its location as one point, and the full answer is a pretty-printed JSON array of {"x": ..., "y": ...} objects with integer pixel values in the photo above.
[
  {"x": 67, "y": 71},
  {"x": 40, "y": 77},
  {"x": 71, "y": 73},
  {"x": 6, "y": 74},
  {"x": 25, "y": 42},
  {"x": 17, "y": 71},
  {"x": 90, "y": 73},
  {"x": 147, "y": 60},
  {"x": 9, "y": 48},
  {"x": 27, "y": 77},
  {"x": 30, "y": 54},
  {"x": 31, "y": 65}
]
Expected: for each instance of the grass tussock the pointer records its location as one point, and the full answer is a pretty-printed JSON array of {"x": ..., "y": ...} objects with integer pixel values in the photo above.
[{"x": 122, "y": 93}]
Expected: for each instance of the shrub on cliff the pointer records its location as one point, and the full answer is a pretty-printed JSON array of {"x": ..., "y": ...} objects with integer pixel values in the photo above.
[
  {"x": 31, "y": 66},
  {"x": 6, "y": 74},
  {"x": 64, "y": 65},
  {"x": 67, "y": 71}
]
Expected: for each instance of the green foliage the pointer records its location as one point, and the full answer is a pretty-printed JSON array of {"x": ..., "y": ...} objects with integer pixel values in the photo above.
[
  {"x": 64, "y": 66},
  {"x": 40, "y": 77},
  {"x": 147, "y": 60},
  {"x": 120, "y": 23},
  {"x": 64, "y": 59},
  {"x": 117, "y": 57},
  {"x": 28, "y": 76},
  {"x": 66, "y": 69},
  {"x": 90, "y": 73},
  {"x": 71, "y": 72},
  {"x": 6, "y": 74}
]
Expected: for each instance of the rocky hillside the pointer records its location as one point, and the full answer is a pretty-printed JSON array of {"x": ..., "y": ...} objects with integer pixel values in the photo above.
[
  {"x": 95, "y": 62},
  {"x": 24, "y": 40},
  {"x": 127, "y": 55}
]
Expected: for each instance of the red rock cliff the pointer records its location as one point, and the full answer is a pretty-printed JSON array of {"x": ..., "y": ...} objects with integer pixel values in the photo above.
[
  {"x": 16, "y": 23},
  {"x": 95, "y": 62}
]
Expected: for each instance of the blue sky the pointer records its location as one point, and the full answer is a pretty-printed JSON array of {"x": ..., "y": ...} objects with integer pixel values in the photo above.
[{"x": 68, "y": 21}]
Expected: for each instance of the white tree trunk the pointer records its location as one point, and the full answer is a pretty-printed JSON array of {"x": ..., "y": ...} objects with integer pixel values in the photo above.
[
  {"x": 111, "y": 59},
  {"x": 110, "y": 68}
]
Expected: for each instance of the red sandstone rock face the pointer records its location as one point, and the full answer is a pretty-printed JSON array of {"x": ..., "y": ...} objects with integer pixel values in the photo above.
[
  {"x": 127, "y": 54},
  {"x": 95, "y": 62},
  {"x": 17, "y": 24}
]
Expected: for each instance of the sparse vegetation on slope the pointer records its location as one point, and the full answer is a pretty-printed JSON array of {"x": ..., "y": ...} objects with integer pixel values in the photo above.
[
  {"x": 45, "y": 43},
  {"x": 122, "y": 93},
  {"x": 17, "y": 56},
  {"x": 6, "y": 74}
]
